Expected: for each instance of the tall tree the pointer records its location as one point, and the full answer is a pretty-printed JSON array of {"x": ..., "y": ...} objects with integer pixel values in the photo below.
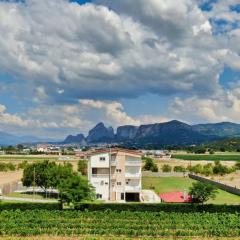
[
  {"x": 75, "y": 189},
  {"x": 202, "y": 192}
]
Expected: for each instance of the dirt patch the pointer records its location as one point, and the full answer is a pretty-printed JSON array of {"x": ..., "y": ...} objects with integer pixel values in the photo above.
[
  {"x": 176, "y": 162},
  {"x": 8, "y": 177}
]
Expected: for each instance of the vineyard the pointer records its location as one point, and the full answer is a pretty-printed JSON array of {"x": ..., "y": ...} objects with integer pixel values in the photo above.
[{"x": 115, "y": 223}]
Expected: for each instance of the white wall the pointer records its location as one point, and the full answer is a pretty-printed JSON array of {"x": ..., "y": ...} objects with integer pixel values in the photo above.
[
  {"x": 96, "y": 163},
  {"x": 100, "y": 186},
  {"x": 132, "y": 170}
]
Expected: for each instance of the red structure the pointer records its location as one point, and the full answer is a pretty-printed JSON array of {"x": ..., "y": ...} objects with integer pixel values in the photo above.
[{"x": 175, "y": 197}]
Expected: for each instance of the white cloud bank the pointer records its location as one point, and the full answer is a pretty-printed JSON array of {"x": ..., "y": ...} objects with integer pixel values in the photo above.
[
  {"x": 109, "y": 50},
  {"x": 71, "y": 51}
]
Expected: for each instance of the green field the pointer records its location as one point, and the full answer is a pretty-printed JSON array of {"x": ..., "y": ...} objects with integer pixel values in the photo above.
[
  {"x": 170, "y": 184},
  {"x": 27, "y": 158},
  {"x": 207, "y": 157},
  {"x": 126, "y": 224}
]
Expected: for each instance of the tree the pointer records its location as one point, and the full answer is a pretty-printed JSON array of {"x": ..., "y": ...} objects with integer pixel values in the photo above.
[
  {"x": 39, "y": 174},
  {"x": 237, "y": 166},
  {"x": 150, "y": 165},
  {"x": 20, "y": 147},
  {"x": 166, "y": 168},
  {"x": 221, "y": 169},
  {"x": 179, "y": 169},
  {"x": 75, "y": 189},
  {"x": 196, "y": 168},
  {"x": 200, "y": 150},
  {"x": 83, "y": 167},
  {"x": 211, "y": 151},
  {"x": 207, "y": 169},
  {"x": 202, "y": 192}
]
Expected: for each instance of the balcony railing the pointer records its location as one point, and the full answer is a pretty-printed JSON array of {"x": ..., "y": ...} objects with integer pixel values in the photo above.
[
  {"x": 132, "y": 188},
  {"x": 100, "y": 175},
  {"x": 133, "y": 163},
  {"x": 133, "y": 175}
]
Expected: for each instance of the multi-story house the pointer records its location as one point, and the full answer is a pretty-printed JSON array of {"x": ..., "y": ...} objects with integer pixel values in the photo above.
[{"x": 115, "y": 174}]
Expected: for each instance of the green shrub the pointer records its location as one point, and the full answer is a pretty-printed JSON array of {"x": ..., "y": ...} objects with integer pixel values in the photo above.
[
  {"x": 166, "y": 168},
  {"x": 179, "y": 169}
]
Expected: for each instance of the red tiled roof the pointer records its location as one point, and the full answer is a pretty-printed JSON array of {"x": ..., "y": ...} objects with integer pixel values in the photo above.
[{"x": 175, "y": 197}]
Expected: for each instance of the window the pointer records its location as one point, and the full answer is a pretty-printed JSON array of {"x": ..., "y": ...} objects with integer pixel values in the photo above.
[
  {"x": 118, "y": 170},
  {"x": 119, "y": 183},
  {"x": 99, "y": 196},
  {"x": 122, "y": 196},
  {"x": 102, "y": 183},
  {"x": 126, "y": 183},
  {"x": 102, "y": 159},
  {"x": 106, "y": 183}
]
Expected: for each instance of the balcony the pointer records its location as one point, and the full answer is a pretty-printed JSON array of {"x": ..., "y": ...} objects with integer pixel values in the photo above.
[
  {"x": 133, "y": 175},
  {"x": 100, "y": 175},
  {"x": 133, "y": 163},
  {"x": 131, "y": 188}
]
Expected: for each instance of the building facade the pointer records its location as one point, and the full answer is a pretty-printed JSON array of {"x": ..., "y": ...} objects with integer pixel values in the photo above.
[{"x": 115, "y": 174}]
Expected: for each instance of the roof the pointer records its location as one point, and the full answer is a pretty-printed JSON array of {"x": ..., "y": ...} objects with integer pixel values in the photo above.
[
  {"x": 114, "y": 151},
  {"x": 175, "y": 197}
]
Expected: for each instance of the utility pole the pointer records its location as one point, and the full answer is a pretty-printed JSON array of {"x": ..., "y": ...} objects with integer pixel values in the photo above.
[
  {"x": 109, "y": 187},
  {"x": 34, "y": 181}
]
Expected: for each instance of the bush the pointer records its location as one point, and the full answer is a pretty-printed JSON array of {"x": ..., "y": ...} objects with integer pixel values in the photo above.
[
  {"x": 157, "y": 207},
  {"x": 211, "y": 151},
  {"x": 202, "y": 192},
  {"x": 4, "y": 167},
  {"x": 179, "y": 169},
  {"x": 22, "y": 165},
  {"x": 195, "y": 169},
  {"x": 237, "y": 166},
  {"x": 83, "y": 167},
  {"x": 166, "y": 168},
  {"x": 150, "y": 165},
  {"x": 207, "y": 169},
  {"x": 154, "y": 168},
  {"x": 200, "y": 150}
]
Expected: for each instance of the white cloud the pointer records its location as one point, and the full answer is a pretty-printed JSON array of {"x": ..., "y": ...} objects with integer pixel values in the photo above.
[
  {"x": 224, "y": 106},
  {"x": 90, "y": 51}
]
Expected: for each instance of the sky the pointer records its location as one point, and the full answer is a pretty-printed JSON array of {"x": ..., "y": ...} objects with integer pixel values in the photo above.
[{"x": 67, "y": 65}]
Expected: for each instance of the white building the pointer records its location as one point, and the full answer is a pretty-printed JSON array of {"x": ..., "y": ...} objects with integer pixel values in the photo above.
[{"x": 115, "y": 174}]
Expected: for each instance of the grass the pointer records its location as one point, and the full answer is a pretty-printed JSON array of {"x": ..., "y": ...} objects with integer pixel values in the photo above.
[
  {"x": 108, "y": 238},
  {"x": 28, "y": 195},
  {"x": 171, "y": 184},
  {"x": 207, "y": 157},
  {"x": 26, "y": 157}
]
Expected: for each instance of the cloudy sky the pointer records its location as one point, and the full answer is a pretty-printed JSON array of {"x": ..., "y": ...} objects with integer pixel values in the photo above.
[{"x": 67, "y": 65}]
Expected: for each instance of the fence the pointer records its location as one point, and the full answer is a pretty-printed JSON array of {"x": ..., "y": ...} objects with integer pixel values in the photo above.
[
  {"x": 11, "y": 187},
  {"x": 161, "y": 174},
  {"x": 222, "y": 186}
]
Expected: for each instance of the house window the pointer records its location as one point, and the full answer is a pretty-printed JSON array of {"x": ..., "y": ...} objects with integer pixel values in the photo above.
[
  {"x": 122, "y": 196},
  {"x": 102, "y": 183},
  {"x": 119, "y": 183},
  {"x": 118, "y": 170},
  {"x": 99, "y": 196},
  {"x": 106, "y": 183},
  {"x": 102, "y": 158}
]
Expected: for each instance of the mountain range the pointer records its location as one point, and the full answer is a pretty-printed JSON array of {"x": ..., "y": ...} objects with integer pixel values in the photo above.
[
  {"x": 7, "y": 139},
  {"x": 158, "y": 134}
]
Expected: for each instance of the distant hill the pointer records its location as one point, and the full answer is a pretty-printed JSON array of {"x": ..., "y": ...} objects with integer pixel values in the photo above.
[
  {"x": 10, "y": 139},
  {"x": 149, "y": 135},
  {"x": 80, "y": 139},
  {"x": 229, "y": 144},
  {"x": 223, "y": 129}
]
